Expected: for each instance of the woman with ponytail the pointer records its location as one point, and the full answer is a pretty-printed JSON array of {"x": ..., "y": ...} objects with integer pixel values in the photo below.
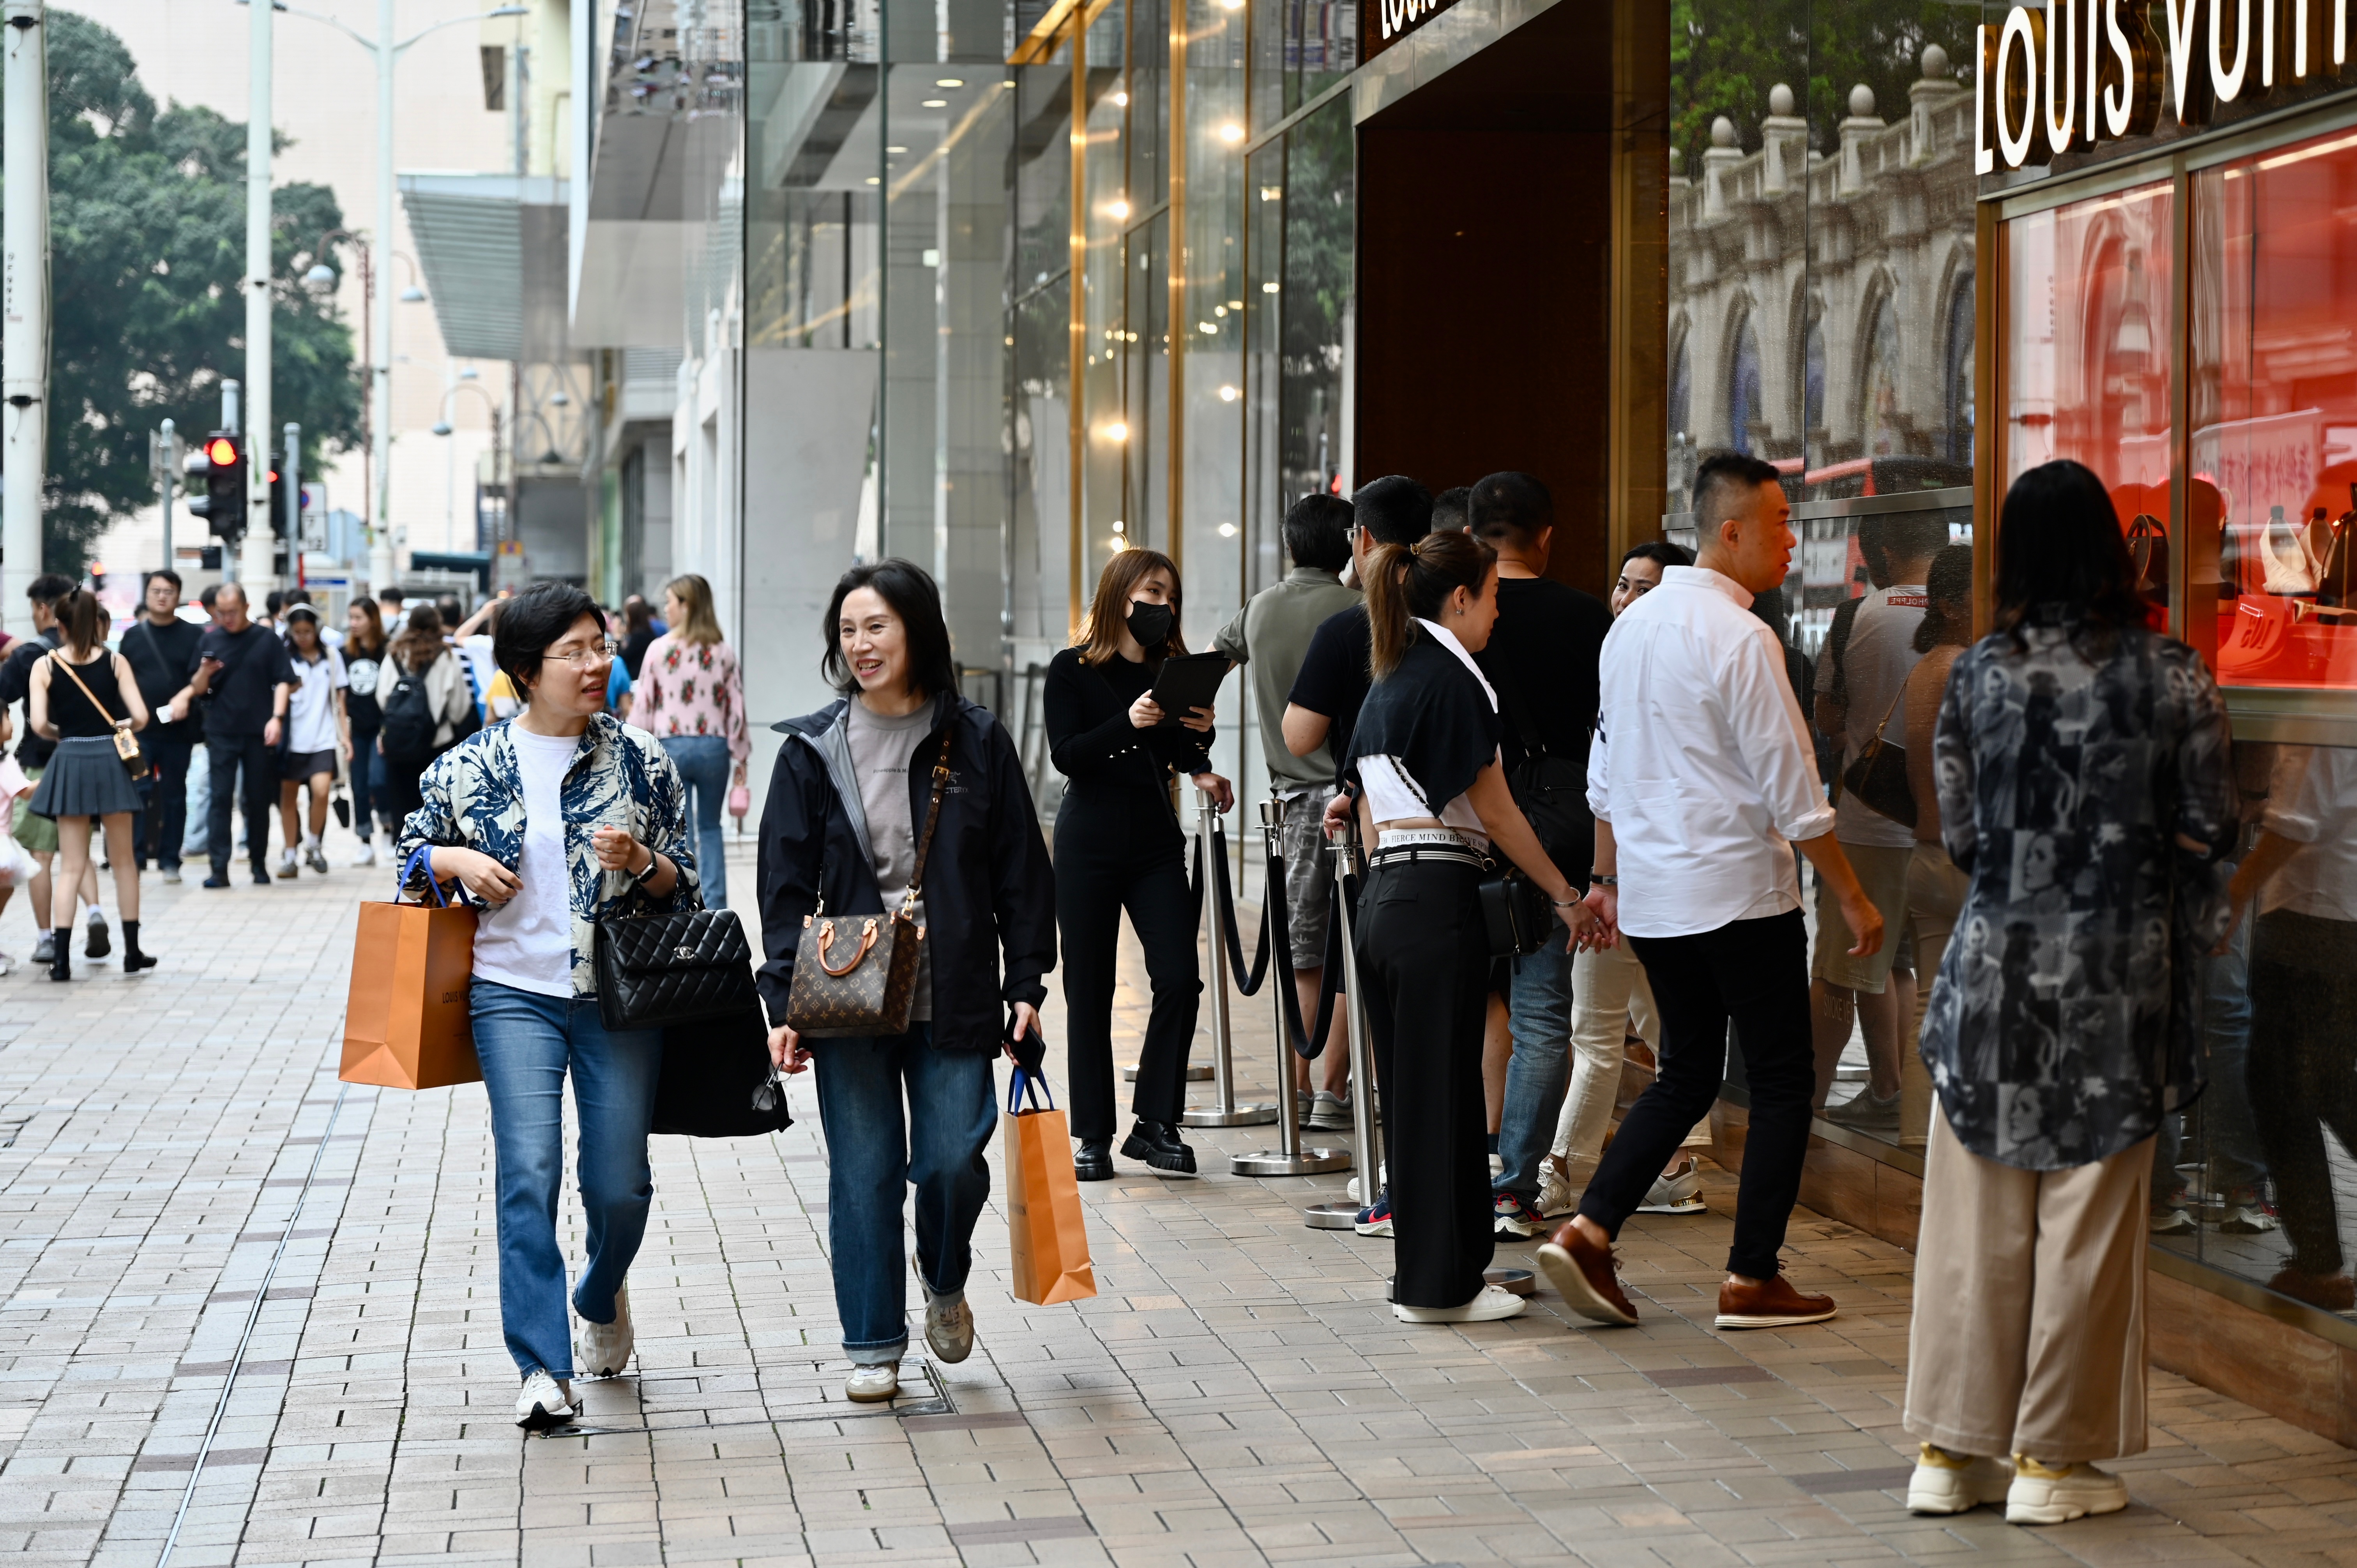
[{"x": 1433, "y": 800}]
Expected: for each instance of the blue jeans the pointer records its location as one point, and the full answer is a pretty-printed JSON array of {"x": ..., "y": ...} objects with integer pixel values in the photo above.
[
  {"x": 525, "y": 1043},
  {"x": 703, "y": 761},
  {"x": 1538, "y": 1003},
  {"x": 874, "y": 1159}
]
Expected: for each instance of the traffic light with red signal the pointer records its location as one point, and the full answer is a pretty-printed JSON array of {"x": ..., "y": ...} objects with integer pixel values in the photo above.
[{"x": 220, "y": 463}]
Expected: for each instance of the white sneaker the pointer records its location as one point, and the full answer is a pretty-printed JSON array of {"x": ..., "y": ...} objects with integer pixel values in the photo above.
[
  {"x": 2044, "y": 1495},
  {"x": 288, "y": 869},
  {"x": 367, "y": 856},
  {"x": 603, "y": 1349},
  {"x": 545, "y": 1402},
  {"x": 873, "y": 1385},
  {"x": 1557, "y": 1196},
  {"x": 949, "y": 1328},
  {"x": 7, "y": 962},
  {"x": 1489, "y": 1307},
  {"x": 1955, "y": 1483},
  {"x": 169, "y": 873},
  {"x": 1678, "y": 1192},
  {"x": 1497, "y": 1166}
]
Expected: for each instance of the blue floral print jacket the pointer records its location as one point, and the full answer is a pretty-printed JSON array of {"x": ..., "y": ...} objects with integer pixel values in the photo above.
[{"x": 620, "y": 778}]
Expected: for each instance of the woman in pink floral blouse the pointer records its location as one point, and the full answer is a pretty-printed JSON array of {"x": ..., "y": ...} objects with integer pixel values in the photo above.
[{"x": 691, "y": 696}]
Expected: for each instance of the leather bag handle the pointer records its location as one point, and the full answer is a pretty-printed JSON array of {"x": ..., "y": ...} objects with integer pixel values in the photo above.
[{"x": 826, "y": 940}]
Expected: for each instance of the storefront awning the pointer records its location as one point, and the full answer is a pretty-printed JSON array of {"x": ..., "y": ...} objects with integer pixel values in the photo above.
[{"x": 493, "y": 251}]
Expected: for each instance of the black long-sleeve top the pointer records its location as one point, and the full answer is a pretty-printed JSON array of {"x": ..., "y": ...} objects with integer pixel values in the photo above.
[{"x": 1091, "y": 739}]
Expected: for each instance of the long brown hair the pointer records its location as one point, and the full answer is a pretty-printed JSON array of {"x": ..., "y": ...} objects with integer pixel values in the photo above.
[
  {"x": 81, "y": 622},
  {"x": 420, "y": 642},
  {"x": 703, "y": 622},
  {"x": 373, "y": 643},
  {"x": 1409, "y": 581},
  {"x": 1108, "y": 616}
]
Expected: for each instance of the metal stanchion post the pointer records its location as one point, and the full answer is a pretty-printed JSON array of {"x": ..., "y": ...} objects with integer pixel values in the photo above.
[
  {"x": 1288, "y": 1158},
  {"x": 1366, "y": 1127},
  {"x": 1223, "y": 1112}
]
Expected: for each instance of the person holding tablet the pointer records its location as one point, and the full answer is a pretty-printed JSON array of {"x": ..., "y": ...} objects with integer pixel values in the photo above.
[{"x": 1119, "y": 847}]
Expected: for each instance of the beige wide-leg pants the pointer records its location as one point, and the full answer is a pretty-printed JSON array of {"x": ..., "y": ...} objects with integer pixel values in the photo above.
[{"x": 2028, "y": 1332}]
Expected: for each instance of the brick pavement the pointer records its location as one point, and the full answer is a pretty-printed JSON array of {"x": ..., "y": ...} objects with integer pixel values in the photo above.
[{"x": 182, "y": 1174}]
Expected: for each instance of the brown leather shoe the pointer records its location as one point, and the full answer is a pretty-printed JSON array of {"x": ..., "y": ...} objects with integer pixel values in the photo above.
[
  {"x": 1771, "y": 1304},
  {"x": 1582, "y": 1273},
  {"x": 2334, "y": 1293}
]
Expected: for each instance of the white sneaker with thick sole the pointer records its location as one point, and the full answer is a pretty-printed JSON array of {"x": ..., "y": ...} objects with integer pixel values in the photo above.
[
  {"x": 545, "y": 1402},
  {"x": 873, "y": 1385},
  {"x": 1489, "y": 1307},
  {"x": 1678, "y": 1192},
  {"x": 603, "y": 1349},
  {"x": 2044, "y": 1494},
  {"x": 949, "y": 1328},
  {"x": 1955, "y": 1483},
  {"x": 288, "y": 869},
  {"x": 367, "y": 856}
]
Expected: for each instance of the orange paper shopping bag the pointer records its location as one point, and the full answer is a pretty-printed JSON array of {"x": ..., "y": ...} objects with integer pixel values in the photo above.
[
  {"x": 406, "y": 1024},
  {"x": 1049, "y": 1237}
]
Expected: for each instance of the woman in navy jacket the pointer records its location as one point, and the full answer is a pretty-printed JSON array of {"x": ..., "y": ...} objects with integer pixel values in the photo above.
[{"x": 848, "y": 800}]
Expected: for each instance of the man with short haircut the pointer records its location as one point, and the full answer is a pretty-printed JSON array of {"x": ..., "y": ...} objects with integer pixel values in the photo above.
[
  {"x": 40, "y": 834},
  {"x": 242, "y": 673},
  {"x": 391, "y": 609},
  {"x": 1450, "y": 508},
  {"x": 1322, "y": 709},
  {"x": 160, "y": 647},
  {"x": 1272, "y": 635},
  {"x": 1703, "y": 781},
  {"x": 1875, "y": 661},
  {"x": 1542, "y": 661}
]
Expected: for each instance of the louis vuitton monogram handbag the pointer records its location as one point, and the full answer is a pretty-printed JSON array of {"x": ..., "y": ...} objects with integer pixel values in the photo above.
[{"x": 856, "y": 974}]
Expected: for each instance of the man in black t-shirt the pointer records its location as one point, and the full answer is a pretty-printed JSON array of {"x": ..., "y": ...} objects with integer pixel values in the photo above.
[
  {"x": 243, "y": 679},
  {"x": 1332, "y": 685},
  {"x": 161, "y": 647},
  {"x": 1542, "y": 660}
]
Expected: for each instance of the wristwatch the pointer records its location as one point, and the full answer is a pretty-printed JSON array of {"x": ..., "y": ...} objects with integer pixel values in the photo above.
[{"x": 653, "y": 860}]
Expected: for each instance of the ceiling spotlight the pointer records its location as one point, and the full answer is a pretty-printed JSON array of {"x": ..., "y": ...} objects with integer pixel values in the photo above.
[
  {"x": 950, "y": 82},
  {"x": 1228, "y": 395},
  {"x": 1117, "y": 431},
  {"x": 896, "y": 149},
  {"x": 1118, "y": 208},
  {"x": 934, "y": 103},
  {"x": 1231, "y": 132}
]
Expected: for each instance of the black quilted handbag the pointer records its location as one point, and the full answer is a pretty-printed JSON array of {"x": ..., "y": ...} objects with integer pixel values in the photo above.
[{"x": 657, "y": 971}]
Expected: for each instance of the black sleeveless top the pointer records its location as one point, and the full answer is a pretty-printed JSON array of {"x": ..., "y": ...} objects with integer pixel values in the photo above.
[{"x": 70, "y": 711}]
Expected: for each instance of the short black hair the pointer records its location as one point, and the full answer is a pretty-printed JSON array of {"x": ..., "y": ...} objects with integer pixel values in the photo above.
[
  {"x": 1450, "y": 508},
  {"x": 294, "y": 597},
  {"x": 1393, "y": 509},
  {"x": 274, "y": 601},
  {"x": 1915, "y": 536},
  {"x": 914, "y": 597},
  {"x": 1510, "y": 508},
  {"x": 1318, "y": 532},
  {"x": 48, "y": 588},
  {"x": 534, "y": 620},
  {"x": 390, "y": 593},
  {"x": 1660, "y": 549},
  {"x": 2059, "y": 544},
  {"x": 210, "y": 592},
  {"x": 1721, "y": 482},
  {"x": 167, "y": 573}
]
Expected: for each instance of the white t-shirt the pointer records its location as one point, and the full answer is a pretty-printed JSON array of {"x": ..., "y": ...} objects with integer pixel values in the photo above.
[
  {"x": 311, "y": 713},
  {"x": 1876, "y": 664},
  {"x": 528, "y": 942},
  {"x": 2312, "y": 800}
]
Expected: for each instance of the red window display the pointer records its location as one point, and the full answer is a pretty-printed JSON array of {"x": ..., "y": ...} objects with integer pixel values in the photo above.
[
  {"x": 2274, "y": 415},
  {"x": 2087, "y": 298}
]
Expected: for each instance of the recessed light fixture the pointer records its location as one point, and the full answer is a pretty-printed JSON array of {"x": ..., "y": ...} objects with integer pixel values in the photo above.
[
  {"x": 1118, "y": 208},
  {"x": 1206, "y": 326},
  {"x": 1231, "y": 132},
  {"x": 1218, "y": 310},
  {"x": 1117, "y": 431},
  {"x": 1236, "y": 304},
  {"x": 896, "y": 149},
  {"x": 1228, "y": 395},
  {"x": 1227, "y": 530},
  {"x": 950, "y": 82},
  {"x": 1271, "y": 192},
  {"x": 1268, "y": 288},
  {"x": 872, "y": 180},
  {"x": 934, "y": 103},
  {"x": 1121, "y": 99},
  {"x": 1118, "y": 527}
]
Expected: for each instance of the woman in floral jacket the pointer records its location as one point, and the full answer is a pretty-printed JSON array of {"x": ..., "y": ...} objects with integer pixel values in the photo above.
[
  {"x": 691, "y": 695},
  {"x": 550, "y": 820}
]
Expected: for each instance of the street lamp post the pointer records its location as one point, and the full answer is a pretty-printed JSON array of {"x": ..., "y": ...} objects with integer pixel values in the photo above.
[
  {"x": 441, "y": 427},
  {"x": 258, "y": 564},
  {"x": 25, "y": 283}
]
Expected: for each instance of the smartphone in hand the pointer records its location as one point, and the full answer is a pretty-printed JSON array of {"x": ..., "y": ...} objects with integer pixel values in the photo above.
[{"x": 1030, "y": 1052}]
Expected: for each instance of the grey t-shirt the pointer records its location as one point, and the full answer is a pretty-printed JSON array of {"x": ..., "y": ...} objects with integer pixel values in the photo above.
[
  {"x": 881, "y": 750},
  {"x": 1880, "y": 656}
]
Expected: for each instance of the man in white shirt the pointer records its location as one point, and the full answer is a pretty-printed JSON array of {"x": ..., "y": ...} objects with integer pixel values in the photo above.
[
  {"x": 1703, "y": 781},
  {"x": 1875, "y": 662}
]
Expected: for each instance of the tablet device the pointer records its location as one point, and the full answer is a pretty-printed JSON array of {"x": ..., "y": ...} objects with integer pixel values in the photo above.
[{"x": 1188, "y": 681}]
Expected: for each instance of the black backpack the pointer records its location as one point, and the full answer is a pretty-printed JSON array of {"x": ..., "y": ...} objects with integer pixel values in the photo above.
[{"x": 409, "y": 721}]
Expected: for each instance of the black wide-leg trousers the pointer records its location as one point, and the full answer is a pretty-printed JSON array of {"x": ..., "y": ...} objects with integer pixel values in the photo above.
[
  {"x": 1117, "y": 851},
  {"x": 1423, "y": 963}
]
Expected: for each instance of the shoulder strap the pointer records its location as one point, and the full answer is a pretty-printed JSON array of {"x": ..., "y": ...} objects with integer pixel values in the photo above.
[
  {"x": 76, "y": 677},
  {"x": 932, "y": 820}
]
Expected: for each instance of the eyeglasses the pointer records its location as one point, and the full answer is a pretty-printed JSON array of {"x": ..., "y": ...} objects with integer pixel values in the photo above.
[{"x": 599, "y": 653}]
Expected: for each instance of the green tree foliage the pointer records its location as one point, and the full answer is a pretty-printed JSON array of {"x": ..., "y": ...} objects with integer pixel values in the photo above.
[
  {"x": 1725, "y": 56},
  {"x": 147, "y": 245}
]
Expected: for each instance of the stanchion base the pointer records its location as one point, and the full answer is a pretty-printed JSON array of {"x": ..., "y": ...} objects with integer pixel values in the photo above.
[
  {"x": 1519, "y": 1280},
  {"x": 1331, "y": 1216},
  {"x": 1276, "y": 1162},
  {"x": 1239, "y": 1116},
  {"x": 1197, "y": 1072}
]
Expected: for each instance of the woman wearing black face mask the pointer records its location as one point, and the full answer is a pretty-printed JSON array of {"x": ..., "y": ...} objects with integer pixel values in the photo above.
[{"x": 1118, "y": 847}]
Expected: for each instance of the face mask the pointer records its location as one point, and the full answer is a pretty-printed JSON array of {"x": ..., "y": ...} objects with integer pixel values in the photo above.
[{"x": 1150, "y": 624}]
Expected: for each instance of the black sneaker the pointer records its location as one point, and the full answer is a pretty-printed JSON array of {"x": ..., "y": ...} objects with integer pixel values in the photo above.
[
  {"x": 97, "y": 944},
  {"x": 1094, "y": 1162},
  {"x": 1159, "y": 1144},
  {"x": 216, "y": 880}
]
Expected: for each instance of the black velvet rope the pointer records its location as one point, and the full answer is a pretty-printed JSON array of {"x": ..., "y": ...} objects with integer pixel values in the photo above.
[{"x": 1273, "y": 941}]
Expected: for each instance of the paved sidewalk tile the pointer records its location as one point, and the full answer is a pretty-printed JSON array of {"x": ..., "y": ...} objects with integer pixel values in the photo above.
[{"x": 189, "y": 1190}]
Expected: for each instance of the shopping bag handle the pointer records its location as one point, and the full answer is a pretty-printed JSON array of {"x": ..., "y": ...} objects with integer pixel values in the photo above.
[
  {"x": 1032, "y": 1082},
  {"x": 423, "y": 853}
]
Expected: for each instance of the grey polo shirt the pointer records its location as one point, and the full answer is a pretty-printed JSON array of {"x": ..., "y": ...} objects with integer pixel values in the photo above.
[{"x": 1270, "y": 634}]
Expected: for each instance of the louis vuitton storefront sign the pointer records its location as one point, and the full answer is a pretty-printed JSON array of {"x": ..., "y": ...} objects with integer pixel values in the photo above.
[{"x": 2065, "y": 76}]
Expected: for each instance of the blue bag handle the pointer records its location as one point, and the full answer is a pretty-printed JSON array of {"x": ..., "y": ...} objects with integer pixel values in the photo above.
[
  {"x": 423, "y": 853},
  {"x": 1027, "y": 1082}
]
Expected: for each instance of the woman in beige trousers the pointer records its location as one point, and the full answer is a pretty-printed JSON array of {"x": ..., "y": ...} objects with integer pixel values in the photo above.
[{"x": 2085, "y": 787}]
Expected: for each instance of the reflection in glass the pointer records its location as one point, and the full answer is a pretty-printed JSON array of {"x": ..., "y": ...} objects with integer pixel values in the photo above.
[
  {"x": 1315, "y": 294},
  {"x": 2274, "y": 442}
]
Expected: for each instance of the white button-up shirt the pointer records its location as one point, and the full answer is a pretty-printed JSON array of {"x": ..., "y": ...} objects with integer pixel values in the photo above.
[{"x": 1702, "y": 763}]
